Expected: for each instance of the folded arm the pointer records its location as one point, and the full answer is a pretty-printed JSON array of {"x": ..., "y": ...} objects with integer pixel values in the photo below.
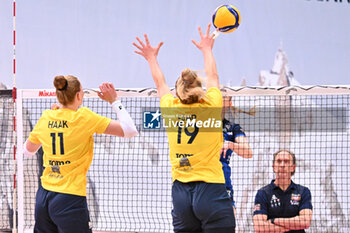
[
  {"x": 300, "y": 222},
  {"x": 262, "y": 225}
]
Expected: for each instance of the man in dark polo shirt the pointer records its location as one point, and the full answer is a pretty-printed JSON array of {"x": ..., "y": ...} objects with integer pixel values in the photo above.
[{"x": 283, "y": 206}]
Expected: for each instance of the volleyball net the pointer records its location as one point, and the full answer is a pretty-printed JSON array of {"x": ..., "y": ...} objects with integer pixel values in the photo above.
[{"x": 129, "y": 181}]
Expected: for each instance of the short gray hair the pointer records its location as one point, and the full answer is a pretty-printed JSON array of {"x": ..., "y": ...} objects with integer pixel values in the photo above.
[{"x": 289, "y": 152}]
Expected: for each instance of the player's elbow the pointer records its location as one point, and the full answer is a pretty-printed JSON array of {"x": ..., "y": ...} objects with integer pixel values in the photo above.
[
  {"x": 307, "y": 224},
  {"x": 258, "y": 228},
  {"x": 249, "y": 154},
  {"x": 305, "y": 219}
]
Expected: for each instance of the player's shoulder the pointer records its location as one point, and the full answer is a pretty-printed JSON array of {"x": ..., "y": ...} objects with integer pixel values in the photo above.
[
  {"x": 167, "y": 100},
  {"x": 213, "y": 91},
  {"x": 301, "y": 189},
  {"x": 84, "y": 110},
  {"x": 266, "y": 189},
  {"x": 264, "y": 193},
  {"x": 86, "y": 113},
  {"x": 213, "y": 98},
  {"x": 48, "y": 113}
]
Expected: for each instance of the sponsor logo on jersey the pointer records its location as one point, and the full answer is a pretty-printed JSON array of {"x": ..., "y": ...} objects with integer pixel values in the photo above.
[
  {"x": 275, "y": 202},
  {"x": 257, "y": 207},
  {"x": 295, "y": 199},
  {"x": 58, "y": 163},
  {"x": 56, "y": 169},
  {"x": 184, "y": 164},
  {"x": 179, "y": 155}
]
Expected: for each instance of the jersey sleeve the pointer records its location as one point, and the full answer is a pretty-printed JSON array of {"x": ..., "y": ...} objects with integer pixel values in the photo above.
[
  {"x": 260, "y": 203},
  {"x": 97, "y": 122},
  {"x": 166, "y": 100},
  {"x": 215, "y": 97},
  {"x": 306, "y": 200}
]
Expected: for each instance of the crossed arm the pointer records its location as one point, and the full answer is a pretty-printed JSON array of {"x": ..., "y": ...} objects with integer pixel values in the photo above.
[{"x": 303, "y": 221}]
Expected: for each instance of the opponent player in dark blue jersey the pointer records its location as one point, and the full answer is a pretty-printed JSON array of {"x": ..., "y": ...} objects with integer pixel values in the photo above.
[
  {"x": 235, "y": 140},
  {"x": 283, "y": 206}
]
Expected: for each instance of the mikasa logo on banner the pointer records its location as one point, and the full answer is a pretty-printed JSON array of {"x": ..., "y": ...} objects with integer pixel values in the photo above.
[{"x": 47, "y": 93}]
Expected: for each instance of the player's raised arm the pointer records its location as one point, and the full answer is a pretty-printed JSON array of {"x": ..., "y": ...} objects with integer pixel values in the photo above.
[
  {"x": 125, "y": 126},
  {"x": 150, "y": 54},
  {"x": 206, "y": 45}
]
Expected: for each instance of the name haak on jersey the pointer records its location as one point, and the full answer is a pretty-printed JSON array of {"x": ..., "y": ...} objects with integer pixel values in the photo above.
[{"x": 57, "y": 124}]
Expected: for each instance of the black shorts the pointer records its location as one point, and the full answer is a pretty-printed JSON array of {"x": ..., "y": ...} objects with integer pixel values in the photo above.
[
  {"x": 202, "y": 207},
  {"x": 59, "y": 212}
]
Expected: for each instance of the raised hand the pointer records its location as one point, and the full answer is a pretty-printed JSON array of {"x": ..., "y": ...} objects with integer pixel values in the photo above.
[
  {"x": 146, "y": 50},
  {"x": 207, "y": 40},
  {"x": 107, "y": 92}
]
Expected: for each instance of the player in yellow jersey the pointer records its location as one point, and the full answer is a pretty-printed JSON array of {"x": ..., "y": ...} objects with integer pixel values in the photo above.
[
  {"x": 66, "y": 135},
  {"x": 194, "y": 128}
]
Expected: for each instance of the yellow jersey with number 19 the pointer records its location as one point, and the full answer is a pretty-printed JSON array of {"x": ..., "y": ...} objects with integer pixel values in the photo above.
[
  {"x": 195, "y": 137},
  {"x": 67, "y": 141}
]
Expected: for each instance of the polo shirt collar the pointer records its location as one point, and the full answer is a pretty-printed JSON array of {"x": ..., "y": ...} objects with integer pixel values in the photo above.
[{"x": 292, "y": 186}]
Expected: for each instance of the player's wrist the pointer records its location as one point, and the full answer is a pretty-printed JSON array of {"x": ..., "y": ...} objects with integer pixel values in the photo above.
[
  {"x": 112, "y": 100},
  {"x": 231, "y": 145},
  {"x": 117, "y": 105}
]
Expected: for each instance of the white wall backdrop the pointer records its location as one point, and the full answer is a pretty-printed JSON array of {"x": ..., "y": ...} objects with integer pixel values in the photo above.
[{"x": 92, "y": 40}]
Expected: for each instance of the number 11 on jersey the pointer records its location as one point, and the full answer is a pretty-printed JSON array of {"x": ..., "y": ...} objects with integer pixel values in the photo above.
[{"x": 60, "y": 135}]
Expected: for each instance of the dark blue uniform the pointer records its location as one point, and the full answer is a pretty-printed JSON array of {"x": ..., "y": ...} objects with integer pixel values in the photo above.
[
  {"x": 60, "y": 212},
  {"x": 276, "y": 203},
  {"x": 231, "y": 132},
  {"x": 195, "y": 212}
]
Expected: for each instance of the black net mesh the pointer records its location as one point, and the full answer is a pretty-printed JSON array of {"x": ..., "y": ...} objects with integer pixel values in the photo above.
[
  {"x": 6, "y": 159},
  {"x": 129, "y": 181}
]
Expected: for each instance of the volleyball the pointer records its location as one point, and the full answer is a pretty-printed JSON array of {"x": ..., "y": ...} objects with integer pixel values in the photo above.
[{"x": 226, "y": 18}]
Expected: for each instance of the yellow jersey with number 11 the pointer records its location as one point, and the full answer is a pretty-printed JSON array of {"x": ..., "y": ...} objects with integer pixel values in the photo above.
[{"x": 67, "y": 141}]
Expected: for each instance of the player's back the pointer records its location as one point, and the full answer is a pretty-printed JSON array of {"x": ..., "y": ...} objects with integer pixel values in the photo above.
[
  {"x": 66, "y": 138},
  {"x": 195, "y": 137}
]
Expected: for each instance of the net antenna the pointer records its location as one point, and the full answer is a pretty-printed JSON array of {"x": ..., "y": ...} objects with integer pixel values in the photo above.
[{"x": 14, "y": 95}]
